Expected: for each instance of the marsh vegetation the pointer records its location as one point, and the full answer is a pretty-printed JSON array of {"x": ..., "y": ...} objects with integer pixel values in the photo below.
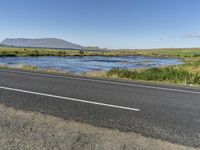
[{"x": 188, "y": 72}]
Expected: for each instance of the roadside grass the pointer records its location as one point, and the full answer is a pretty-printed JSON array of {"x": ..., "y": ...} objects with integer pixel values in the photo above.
[
  {"x": 186, "y": 73},
  {"x": 166, "y": 74}
]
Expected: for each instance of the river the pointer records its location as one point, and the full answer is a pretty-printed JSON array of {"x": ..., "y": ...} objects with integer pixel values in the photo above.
[{"x": 88, "y": 63}]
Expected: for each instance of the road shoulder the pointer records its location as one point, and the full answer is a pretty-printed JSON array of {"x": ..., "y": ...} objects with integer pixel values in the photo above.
[{"x": 32, "y": 130}]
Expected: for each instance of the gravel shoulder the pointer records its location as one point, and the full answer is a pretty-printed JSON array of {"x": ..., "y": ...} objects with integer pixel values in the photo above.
[{"x": 34, "y": 131}]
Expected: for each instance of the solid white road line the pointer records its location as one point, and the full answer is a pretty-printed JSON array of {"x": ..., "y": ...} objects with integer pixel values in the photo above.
[
  {"x": 103, "y": 81},
  {"x": 70, "y": 99}
]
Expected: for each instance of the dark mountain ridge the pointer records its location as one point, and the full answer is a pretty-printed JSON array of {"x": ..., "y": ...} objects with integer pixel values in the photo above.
[{"x": 41, "y": 43}]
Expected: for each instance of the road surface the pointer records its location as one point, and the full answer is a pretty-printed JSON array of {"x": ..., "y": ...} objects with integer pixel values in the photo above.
[{"x": 165, "y": 112}]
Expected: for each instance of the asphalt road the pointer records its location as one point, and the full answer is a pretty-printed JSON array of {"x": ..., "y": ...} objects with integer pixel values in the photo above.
[{"x": 166, "y": 112}]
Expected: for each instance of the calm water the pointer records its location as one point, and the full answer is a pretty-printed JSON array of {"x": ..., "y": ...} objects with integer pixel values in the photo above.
[{"x": 88, "y": 63}]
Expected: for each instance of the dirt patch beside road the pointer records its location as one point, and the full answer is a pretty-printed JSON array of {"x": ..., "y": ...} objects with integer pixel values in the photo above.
[{"x": 31, "y": 130}]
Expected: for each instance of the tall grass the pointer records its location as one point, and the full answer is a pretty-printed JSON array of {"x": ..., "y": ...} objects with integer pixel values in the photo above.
[{"x": 168, "y": 74}]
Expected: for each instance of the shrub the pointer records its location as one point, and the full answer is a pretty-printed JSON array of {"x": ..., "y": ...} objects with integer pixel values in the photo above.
[
  {"x": 81, "y": 52},
  {"x": 169, "y": 74}
]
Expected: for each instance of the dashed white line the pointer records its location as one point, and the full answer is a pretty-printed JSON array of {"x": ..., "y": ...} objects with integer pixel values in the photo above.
[{"x": 70, "y": 99}]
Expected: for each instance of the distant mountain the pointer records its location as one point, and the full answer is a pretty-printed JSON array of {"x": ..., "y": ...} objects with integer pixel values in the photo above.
[{"x": 41, "y": 43}]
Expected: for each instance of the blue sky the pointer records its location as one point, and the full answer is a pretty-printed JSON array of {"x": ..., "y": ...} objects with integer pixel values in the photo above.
[{"x": 105, "y": 23}]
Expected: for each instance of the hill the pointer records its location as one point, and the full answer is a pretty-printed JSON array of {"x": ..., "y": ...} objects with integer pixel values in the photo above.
[{"x": 41, "y": 43}]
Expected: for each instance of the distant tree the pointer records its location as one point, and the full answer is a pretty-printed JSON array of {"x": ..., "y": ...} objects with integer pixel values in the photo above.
[
  {"x": 16, "y": 52},
  {"x": 81, "y": 52}
]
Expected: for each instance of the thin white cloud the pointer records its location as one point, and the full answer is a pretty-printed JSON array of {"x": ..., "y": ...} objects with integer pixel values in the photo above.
[{"x": 192, "y": 35}]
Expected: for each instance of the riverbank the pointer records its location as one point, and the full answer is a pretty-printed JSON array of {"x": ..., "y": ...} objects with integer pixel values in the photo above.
[{"x": 187, "y": 73}]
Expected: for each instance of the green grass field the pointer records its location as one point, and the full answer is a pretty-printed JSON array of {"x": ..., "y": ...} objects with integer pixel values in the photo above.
[
  {"x": 17, "y": 52},
  {"x": 178, "y": 53}
]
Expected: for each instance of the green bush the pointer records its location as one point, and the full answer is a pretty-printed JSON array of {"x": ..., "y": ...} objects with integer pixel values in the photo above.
[
  {"x": 81, "y": 52},
  {"x": 168, "y": 74}
]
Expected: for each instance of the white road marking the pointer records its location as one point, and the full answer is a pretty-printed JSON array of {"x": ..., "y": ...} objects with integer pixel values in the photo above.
[
  {"x": 70, "y": 99},
  {"x": 103, "y": 81}
]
